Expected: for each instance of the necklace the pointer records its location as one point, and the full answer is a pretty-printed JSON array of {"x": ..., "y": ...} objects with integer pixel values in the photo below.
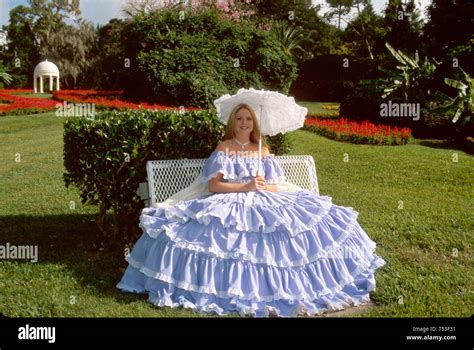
[{"x": 242, "y": 145}]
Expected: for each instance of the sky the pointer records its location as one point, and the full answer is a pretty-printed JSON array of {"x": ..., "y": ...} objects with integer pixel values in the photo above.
[{"x": 101, "y": 11}]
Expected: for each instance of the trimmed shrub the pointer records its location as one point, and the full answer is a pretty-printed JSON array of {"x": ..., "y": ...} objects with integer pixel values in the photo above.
[{"x": 106, "y": 157}]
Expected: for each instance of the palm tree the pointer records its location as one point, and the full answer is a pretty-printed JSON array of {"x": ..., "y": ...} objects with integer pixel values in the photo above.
[
  {"x": 5, "y": 78},
  {"x": 290, "y": 36}
]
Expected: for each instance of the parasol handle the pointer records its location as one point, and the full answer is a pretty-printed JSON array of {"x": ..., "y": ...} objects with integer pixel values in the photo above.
[{"x": 260, "y": 142}]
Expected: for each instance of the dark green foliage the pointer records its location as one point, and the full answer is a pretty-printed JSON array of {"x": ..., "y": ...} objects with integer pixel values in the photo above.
[
  {"x": 279, "y": 144},
  {"x": 449, "y": 32},
  {"x": 402, "y": 24},
  {"x": 23, "y": 54},
  {"x": 331, "y": 77},
  {"x": 298, "y": 14},
  {"x": 362, "y": 104},
  {"x": 406, "y": 79},
  {"x": 193, "y": 59},
  {"x": 117, "y": 67}
]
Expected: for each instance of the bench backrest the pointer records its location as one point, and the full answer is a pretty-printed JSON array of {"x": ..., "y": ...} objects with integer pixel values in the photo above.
[{"x": 167, "y": 177}]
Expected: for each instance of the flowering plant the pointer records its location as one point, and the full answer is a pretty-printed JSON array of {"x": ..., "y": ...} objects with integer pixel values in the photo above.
[{"x": 354, "y": 132}]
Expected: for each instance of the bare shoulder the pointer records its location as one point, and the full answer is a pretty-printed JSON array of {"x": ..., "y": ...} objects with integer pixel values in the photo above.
[
  {"x": 265, "y": 151},
  {"x": 223, "y": 145}
]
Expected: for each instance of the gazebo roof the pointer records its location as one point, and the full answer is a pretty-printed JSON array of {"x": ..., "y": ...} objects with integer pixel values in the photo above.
[{"x": 46, "y": 68}]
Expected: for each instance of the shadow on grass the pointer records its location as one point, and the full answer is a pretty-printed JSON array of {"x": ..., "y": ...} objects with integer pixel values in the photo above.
[
  {"x": 443, "y": 144},
  {"x": 75, "y": 241},
  {"x": 71, "y": 240}
]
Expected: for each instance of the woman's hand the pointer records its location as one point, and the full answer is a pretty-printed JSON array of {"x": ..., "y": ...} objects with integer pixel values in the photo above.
[{"x": 257, "y": 183}]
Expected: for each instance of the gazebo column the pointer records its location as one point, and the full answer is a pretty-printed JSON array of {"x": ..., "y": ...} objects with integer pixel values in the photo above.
[
  {"x": 35, "y": 82},
  {"x": 57, "y": 82},
  {"x": 41, "y": 84},
  {"x": 50, "y": 83}
]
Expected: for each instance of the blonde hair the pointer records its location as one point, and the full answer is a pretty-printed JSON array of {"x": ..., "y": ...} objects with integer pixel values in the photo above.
[{"x": 230, "y": 128}]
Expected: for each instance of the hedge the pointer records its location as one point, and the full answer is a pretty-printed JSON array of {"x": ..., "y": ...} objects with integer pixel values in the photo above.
[{"x": 106, "y": 157}]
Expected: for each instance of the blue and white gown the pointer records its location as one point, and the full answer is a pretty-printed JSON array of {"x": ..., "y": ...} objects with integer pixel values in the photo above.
[{"x": 256, "y": 253}]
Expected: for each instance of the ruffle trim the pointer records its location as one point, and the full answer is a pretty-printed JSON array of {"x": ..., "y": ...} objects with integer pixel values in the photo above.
[
  {"x": 213, "y": 281},
  {"x": 239, "y": 168},
  {"x": 296, "y": 217},
  {"x": 168, "y": 295},
  {"x": 277, "y": 244}
]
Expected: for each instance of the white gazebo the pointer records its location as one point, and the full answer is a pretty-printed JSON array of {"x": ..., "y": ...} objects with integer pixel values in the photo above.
[{"x": 44, "y": 70}]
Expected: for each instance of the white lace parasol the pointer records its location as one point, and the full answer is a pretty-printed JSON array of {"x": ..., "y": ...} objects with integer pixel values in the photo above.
[{"x": 277, "y": 113}]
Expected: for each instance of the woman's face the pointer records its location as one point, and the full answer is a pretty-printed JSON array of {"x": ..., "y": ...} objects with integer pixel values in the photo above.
[{"x": 243, "y": 122}]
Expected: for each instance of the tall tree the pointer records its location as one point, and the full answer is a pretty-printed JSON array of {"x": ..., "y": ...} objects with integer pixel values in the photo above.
[
  {"x": 110, "y": 68},
  {"x": 134, "y": 7},
  {"x": 458, "y": 41},
  {"x": 30, "y": 30},
  {"x": 48, "y": 16},
  {"x": 298, "y": 13},
  {"x": 364, "y": 31},
  {"x": 403, "y": 24},
  {"x": 71, "y": 48},
  {"x": 339, "y": 9},
  {"x": 292, "y": 38},
  {"x": 23, "y": 50}
]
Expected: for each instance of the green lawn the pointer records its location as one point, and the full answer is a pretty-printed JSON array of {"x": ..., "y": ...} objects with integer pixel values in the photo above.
[
  {"x": 416, "y": 203},
  {"x": 74, "y": 276}
]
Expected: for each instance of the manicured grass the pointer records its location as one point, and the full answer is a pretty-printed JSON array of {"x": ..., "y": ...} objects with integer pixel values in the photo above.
[
  {"x": 416, "y": 204},
  {"x": 315, "y": 108},
  {"x": 74, "y": 276}
]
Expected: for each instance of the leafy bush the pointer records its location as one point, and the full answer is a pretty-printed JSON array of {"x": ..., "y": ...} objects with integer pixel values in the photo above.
[
  {"x": 279, "y": 144},
  {"x": 19, "y": 80},
  {"x": 412, "y": 82},
  {"x": 364, "y": 104},
  {"x": 469, "y": 145},
  {"x": 5, "y": 78},
  {"x": 418, "y": 82},
  {"x": 326, "y": 78},
  {"x": 106, "y": 157},
  {"x": 461, "y": 106},
  {"x": 194, "y": 58}
]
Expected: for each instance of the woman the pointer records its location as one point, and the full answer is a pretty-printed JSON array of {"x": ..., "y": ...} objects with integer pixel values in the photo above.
[{"x": 249, "y": 247}]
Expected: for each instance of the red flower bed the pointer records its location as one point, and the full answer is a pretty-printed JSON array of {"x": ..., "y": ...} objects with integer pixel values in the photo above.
[
  {"x": 12, "y": 104},
  {"x": 108, "y": 99},
  {"x": 23, "y": 105},
  {"x": 365, "y": 132},
  {"x": 63, "y": 94},
  {"x": 17, "y": 91}
]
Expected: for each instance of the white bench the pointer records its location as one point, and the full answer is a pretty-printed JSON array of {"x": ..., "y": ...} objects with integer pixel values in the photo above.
[{"x": 167, "y": 177}]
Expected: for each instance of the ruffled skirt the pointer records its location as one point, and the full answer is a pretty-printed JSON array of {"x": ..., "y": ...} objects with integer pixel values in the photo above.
[{"x": 255, "y": 253}]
